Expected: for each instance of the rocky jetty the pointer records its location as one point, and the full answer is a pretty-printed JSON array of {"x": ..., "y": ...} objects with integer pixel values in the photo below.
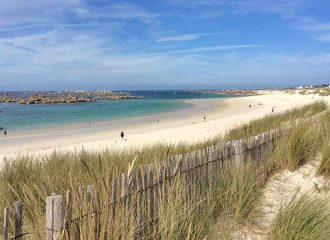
[{"x": 65, "y": 97}]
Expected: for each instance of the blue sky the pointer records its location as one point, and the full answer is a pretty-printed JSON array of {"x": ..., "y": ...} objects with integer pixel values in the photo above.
[{"x": 163, "y": 44}]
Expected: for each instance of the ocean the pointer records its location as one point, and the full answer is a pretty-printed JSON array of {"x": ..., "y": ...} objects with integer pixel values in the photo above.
[{"x": 17, "y": 117}]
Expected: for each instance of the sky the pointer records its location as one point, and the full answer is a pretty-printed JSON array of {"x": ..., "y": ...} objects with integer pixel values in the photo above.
[{"x": 163, "y": 44}]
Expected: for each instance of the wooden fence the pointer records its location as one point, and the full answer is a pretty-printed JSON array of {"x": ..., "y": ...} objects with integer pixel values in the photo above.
[{"x": 134, "y": 198}]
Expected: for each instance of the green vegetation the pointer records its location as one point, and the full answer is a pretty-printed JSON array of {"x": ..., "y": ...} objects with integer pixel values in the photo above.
[
  {"x": 320, "y": 91},
  {"x": 231, "y": 199},
  {"x": 234, "y": 195},
  {"x": 295, "y": 148},
  {"x": 272, "y": 121},
  {"x": 305, "y": 218},
  {"x": 324, "y": 167},
  {"x": 325, "y": 92}
]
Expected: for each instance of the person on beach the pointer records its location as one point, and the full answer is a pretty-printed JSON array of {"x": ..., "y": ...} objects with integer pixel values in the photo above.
[
  {"x": 5, "y": 132},
  {"x": 122, "y": 135},
  {"x": 204, "y": 118},
  {"x": 272, "y": 109}
]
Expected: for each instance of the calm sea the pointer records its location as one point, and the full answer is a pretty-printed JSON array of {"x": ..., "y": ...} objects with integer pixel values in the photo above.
[{"x": 15, "y": 117}]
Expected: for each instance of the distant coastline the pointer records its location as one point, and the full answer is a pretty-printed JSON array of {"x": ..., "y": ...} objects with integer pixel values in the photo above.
[{"x": 52, "y": 97}]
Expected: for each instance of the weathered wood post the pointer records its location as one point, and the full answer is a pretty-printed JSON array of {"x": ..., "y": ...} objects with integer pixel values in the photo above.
[
  {"x": 90, "y": 195},
  {"x": 68, "y": 213},
  {"x": 18, "y": 220},
  {"x": 113, "y": 200},
  {"x": 139, "y": 217},
  {"x": 238, "y": 146},
  {"x": 54, "y": 217},
  {"x": 151, "y": 193},
  {"x": 5, "y": 223}
]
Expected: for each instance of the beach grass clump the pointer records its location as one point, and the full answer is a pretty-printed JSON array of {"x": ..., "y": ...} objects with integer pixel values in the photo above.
[
  {"x": 324, "y": 167},
  {"x": 183, "y": 218},
  {"x": 272, "y": 121},
  {"x": 324, "y": 92},
  {"x": 239, "y": 189},
  {"x": 299, "y": 144},
  {"x": 304, "y": 218},
  {"x": 230, "y": 199},
  {"x": 303, "y": 92}
]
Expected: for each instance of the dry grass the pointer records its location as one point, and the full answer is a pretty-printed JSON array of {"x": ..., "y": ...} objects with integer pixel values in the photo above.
[
  {"x": 272, "y": 121},
  {"x": 324, "y": 167},
  {"x": 305, "y": 218}
]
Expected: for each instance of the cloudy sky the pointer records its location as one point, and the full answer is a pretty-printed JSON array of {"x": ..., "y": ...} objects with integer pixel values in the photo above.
[{"x": 163, "y": 44}]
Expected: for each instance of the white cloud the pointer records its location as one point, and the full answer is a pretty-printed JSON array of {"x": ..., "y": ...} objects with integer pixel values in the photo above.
[
  {"x": 223, "y": 7},
  {"x": 311, "y": 24},
  {"x": 178, "y": 38},
  {"x": 14, "y": 12},
  {"x": 214, "y": 48},
  {"x": 323, "y": 37}
]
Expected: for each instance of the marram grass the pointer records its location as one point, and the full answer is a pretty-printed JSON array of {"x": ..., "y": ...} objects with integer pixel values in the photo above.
[
  {"x": 272, "y": 121},
  {"x": 304, "y": 218},
  {"x": 324, "y": 167}
]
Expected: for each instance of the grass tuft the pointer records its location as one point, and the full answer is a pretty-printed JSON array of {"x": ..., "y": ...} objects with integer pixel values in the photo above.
[
  {"x": 324, "y": 167},
  {"x": 304, "y": 218}
]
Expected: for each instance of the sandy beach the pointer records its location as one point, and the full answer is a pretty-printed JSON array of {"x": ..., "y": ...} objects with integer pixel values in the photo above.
[{"x": 187, "y": 125}]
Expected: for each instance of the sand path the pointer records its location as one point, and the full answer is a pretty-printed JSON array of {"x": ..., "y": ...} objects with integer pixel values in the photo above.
[{"x": 280, "y": 190}]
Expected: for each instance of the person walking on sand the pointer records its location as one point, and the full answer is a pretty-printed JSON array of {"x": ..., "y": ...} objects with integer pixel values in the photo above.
[
  {"x": 5, "y": 132},
  {"x": 122, "y": 135}
]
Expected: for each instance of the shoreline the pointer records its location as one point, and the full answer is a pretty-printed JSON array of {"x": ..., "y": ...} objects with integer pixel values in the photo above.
[{"x": 183, "y": 125}]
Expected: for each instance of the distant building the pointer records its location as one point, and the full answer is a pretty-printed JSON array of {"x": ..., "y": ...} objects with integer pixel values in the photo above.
[{"x": 300, "y": 87}]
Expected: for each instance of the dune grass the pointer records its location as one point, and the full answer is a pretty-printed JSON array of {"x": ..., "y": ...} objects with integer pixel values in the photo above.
[
  {"x": 272, "y": 121},
  {"x": 301, "y": 143},
  {"x": 235, "y": 194},
  {"x": 295, "y": 148},
  {"x": 324, "y": 167},
  {"x": 304, "y": 218}
]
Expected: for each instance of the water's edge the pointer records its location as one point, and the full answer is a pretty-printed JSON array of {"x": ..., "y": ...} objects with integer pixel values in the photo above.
[{"x": 16, "y": 117}]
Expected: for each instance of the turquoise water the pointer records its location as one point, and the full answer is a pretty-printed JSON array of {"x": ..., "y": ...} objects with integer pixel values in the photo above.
[{"x": 15, "y": 117}]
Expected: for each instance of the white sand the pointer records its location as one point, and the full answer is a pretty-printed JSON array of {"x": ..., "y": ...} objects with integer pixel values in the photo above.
[{"x": 180, "y": 126}]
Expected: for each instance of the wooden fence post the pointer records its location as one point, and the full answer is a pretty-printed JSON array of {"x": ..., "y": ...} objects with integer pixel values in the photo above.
[
  {"x": 54, "y": 217},
  {"x": 151, "y": 195},
  {"x": 139, "y": 220},
  {"x": 68, "y": 212},
  {"x": 113, "y": 200},
  {"x": 204, "y": 168},
  {"x": 145, "y": 191},
  {"x": 238, "y": 154},
  {"x": 5, "y": 223},
  {"x": 18, "y": 219},
  {"x": 187, "y": 166},
  {"x": 199, "y": 165},
  {"x": 89, "y": 195}
]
